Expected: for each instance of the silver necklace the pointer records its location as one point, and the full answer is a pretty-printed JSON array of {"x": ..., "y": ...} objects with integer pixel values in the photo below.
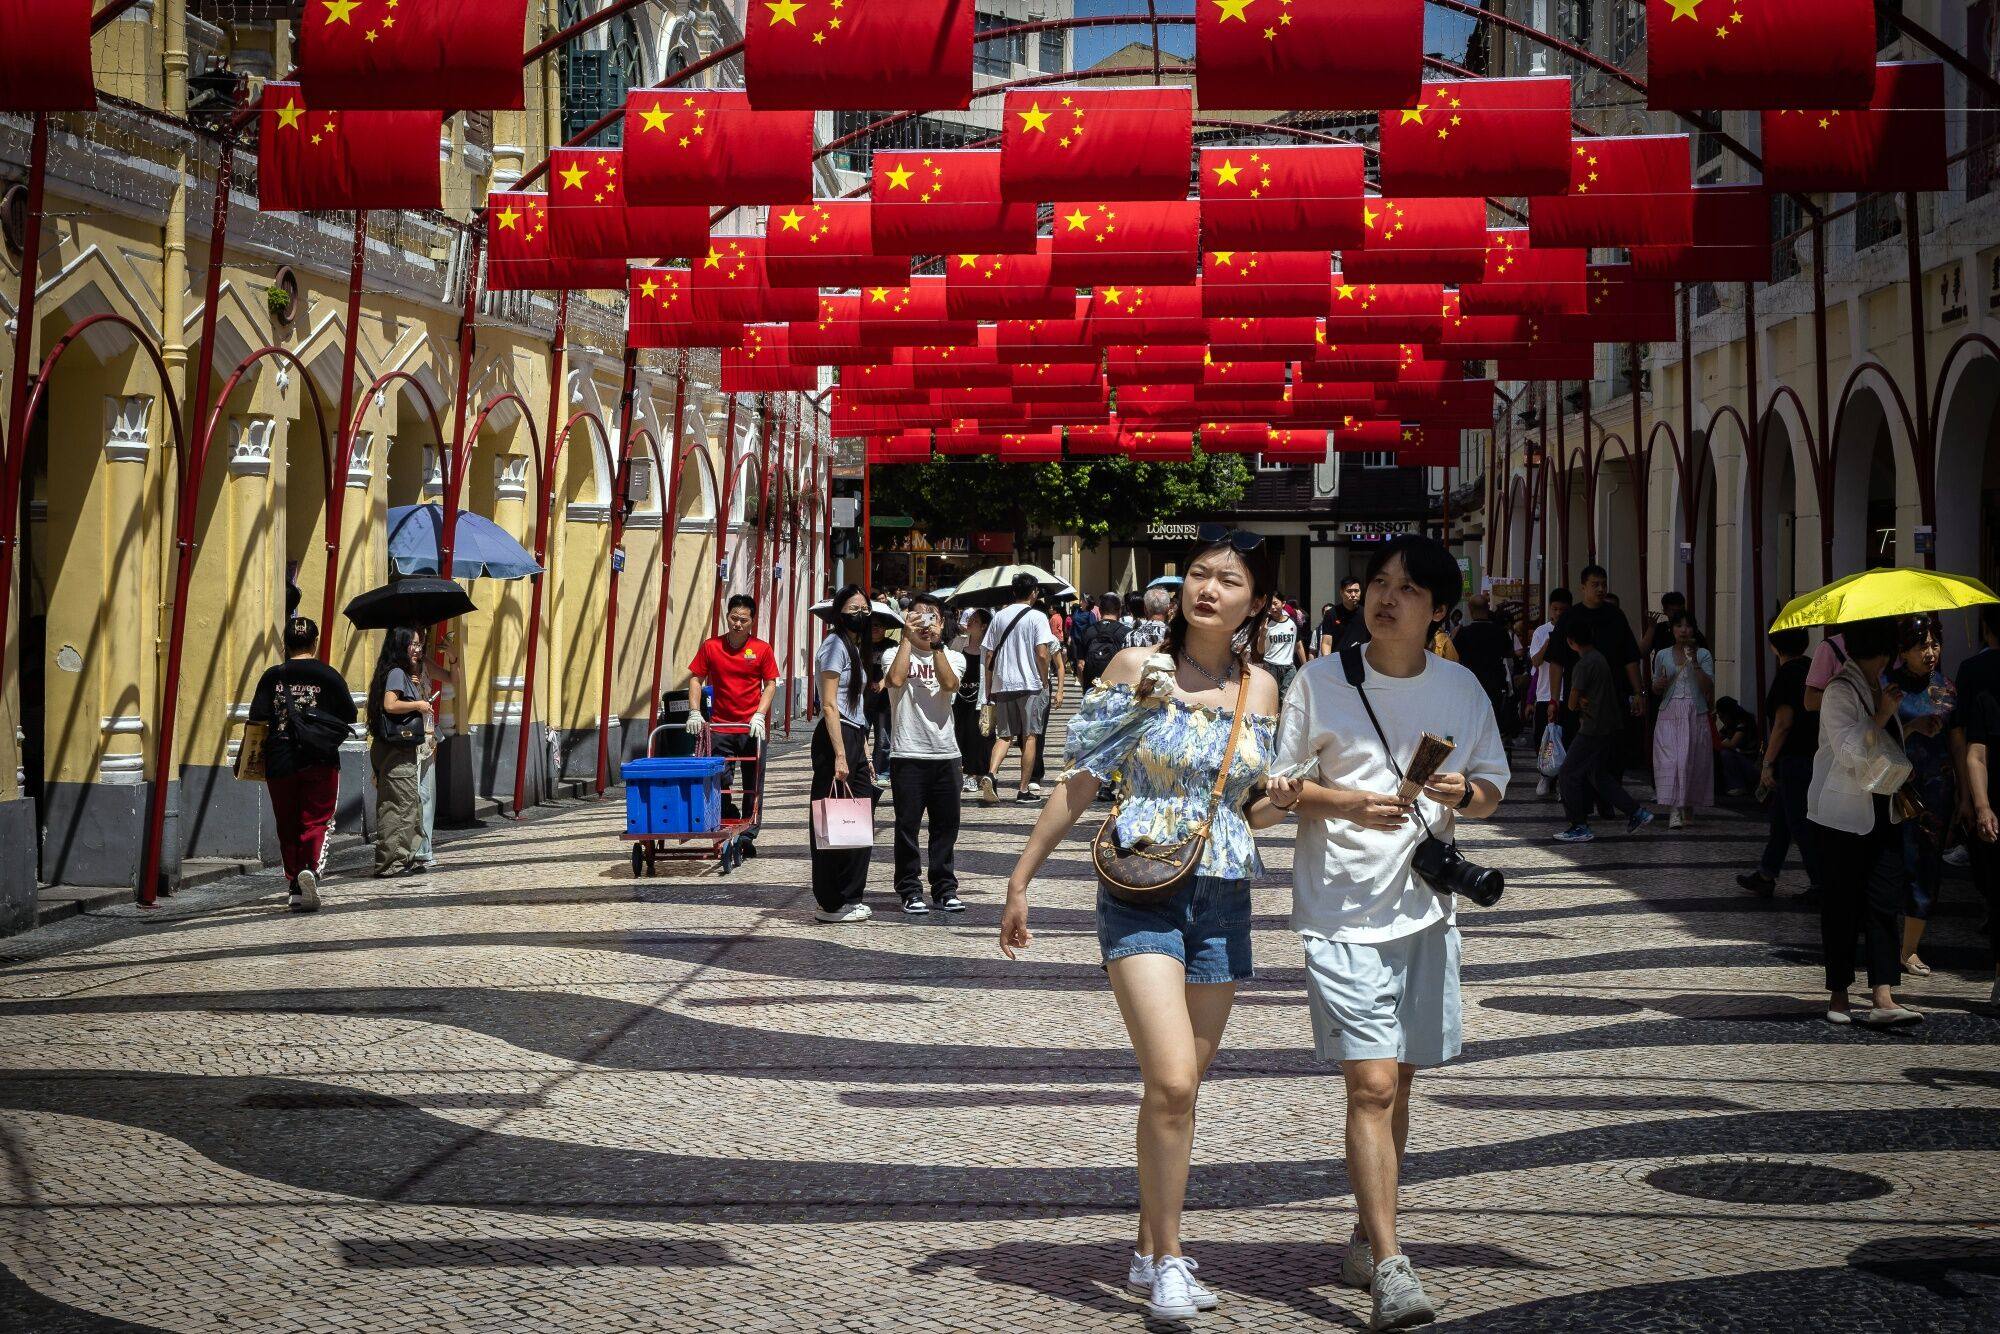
[{"x": 1217, "y": 681}]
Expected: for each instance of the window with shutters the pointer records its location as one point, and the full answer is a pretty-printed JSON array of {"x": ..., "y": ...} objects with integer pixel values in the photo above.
[{"x": 1000, "y": 55}]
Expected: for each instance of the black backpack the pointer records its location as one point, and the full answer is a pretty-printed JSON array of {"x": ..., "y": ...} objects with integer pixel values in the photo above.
[
  {"x": 1107, "y": 638},
  {"x": 315, "y": 735}
]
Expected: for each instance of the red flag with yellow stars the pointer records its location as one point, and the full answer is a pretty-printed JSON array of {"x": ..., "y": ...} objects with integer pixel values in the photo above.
[
  {"x": 730, "y": 284},
  {"x": 1228, "y": 381},
  {"x": 1336, "y": 402},
  {"x": 1051, "y": 382},
  {"x": 1756, "y": 55},
  {"x": 1144, "y": 446},
  {"x": 1094, "y": 440},
  {"x": 1005, "y": 287},
  {"x": 1144, "y": 313},
  {"x": 1147, "y": 363},
  {"x": 710, "y": 148},
  {"x": 1732, "y": 240},
  {"x": 1037, "y": 341},
  {"x": 1355, "y": 55},
  {"x": 1282, "y": 198},
  {"x": 858, "y": 55},
  {"x": 1031, "y": 447},
  {"x": 1383, "y": 312},
  {"x": 946, "y": 203},
  {"x": 1156, "y": 400},
  {"x": 1420, "y": 241},
  {"x": 1364, "y": 436},
  {"x": 834, "y": 338},
  {"x": 1116, "y": 143},
  {"x": 828, "y": 243},
  {"x": 905, "y": 447},
  {"x": 45, "y": 56},
  {"x": 912, "y": 316},
  {"x": 1265, "y": 282},
  {"x": 1262, "y": 337},
  {"x": 1624, "y": 308},
  {"x": 1897, "y": 144},
  {"x": 761, "y": 364},
  {"x": 1332, "y": 362},
  {"x": 1624, "y": 190},
  {"x": 660, "y": 313},
  {"x": 956, "y": 366},
  {"x": 893, "y": 380},
  {"x": 1522, "y": 278},
  {"x": 521, "y": 258},
  {"x": 590, "y": 217},
  {"x": 1480, "y": 137},
  {"x": 1130, "y": 241},
  {"x": 1293, "y": 446},
  {"x": 1233, "y": 437},
  {"x": 345, "y": 159},
  {"x": 413, "y": 55}
]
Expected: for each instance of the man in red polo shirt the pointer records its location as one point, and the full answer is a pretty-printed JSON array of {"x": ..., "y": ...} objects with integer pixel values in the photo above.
[{"x": 743, "y": 671}]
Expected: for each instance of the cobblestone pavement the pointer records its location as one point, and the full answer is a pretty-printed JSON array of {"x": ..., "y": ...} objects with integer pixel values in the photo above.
[{"x": 533, "y": 1093}]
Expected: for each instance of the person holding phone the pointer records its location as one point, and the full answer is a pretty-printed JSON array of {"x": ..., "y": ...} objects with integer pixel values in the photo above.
[{"x": 922, "y": 678}]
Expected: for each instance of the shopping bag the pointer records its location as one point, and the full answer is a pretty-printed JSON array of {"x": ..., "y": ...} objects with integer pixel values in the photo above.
[
  {"x": 1550, "y": 761},
  {"x": 250, "y": 753},
  {"x": 843, "y": 820}
]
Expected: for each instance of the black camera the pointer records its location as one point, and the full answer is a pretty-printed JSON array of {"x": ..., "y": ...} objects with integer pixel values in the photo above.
[{"x": 1445, "y": 869}]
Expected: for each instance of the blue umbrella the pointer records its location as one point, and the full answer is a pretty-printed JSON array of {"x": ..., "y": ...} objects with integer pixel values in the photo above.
[
  {"x": 1166, "y": 581},
  {"x": 483, "y": 549}
]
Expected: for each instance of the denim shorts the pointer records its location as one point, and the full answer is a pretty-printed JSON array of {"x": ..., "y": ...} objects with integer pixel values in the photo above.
[{"x": 1206, "y": 926}]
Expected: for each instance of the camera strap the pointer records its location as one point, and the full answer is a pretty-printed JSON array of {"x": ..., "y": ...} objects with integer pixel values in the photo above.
[{"x": 1351, "y": 666}]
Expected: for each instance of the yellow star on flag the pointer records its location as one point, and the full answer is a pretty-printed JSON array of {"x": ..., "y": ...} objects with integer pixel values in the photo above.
[
  {"x": 1078, "y": 220},
  {"x": 1114, "y": 295},
  {"x": 573, "y": 177},
  {"x": 289, "y": 116},
  {"x": 899, "y": 178},
  {"x": 968, "y": 261},
  {"x": 1232, "y": 9},
  {"x": 656, "y": 117},
  {"x": 784, "y": 11},
  {"x": 1034, "y": 118},
  {"x": 1227, "y": 173},
  {"x": 1225, "y": 257},
  {"x": 1685, "y": 9},
  {"x": 1416, "y": 116},
  {"x": 339, "y": 11},
  {"x": 510, "y": 218},
  {"x": 791, "y": 218},
  {"x": 649, "y": 289}
]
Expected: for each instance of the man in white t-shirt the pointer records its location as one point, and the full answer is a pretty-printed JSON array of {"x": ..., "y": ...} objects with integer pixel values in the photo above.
[
  {"x": 1019, "y": 649},
  {"x": 1548, "y": 676},
  {"x": 1284, "y": 651},
  {"x": 1381, "y": 944},
  {"x": 922, "y": 677}
]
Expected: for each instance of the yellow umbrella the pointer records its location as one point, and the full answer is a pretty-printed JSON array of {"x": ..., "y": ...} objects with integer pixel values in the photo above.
[{"x": 1872, "y": 593}]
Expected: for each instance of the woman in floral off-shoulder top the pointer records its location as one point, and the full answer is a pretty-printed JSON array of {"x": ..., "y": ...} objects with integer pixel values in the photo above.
[{"x": 1160, "y": 719}]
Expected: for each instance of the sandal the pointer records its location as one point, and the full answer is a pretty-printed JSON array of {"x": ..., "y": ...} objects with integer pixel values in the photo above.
[{"x": 1916, "y": 967}]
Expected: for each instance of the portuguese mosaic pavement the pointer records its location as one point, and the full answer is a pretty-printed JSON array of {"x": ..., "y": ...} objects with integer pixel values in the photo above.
[{"x": 532, "y": 1093}]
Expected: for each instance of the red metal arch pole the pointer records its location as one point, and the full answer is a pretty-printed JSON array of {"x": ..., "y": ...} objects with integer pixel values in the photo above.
[
  {"x": 1684, "y": 453},
  {"x": 14, "y": 431},
  {"x": 343, "y": 447},
  {"x": 1821, "y": 452},
  {"x": 1754, "y": 449},
  {"x": 773, "y": 408},
  {"x": 1641, "y": 455},
  {"x": 867, "y": 530},
  {"x": 670, "y": 503},
  {"x": 627, "y": 393},
  {"x": 1562, "y": 486},
  {"x": 721, "y": 571},
  {"x": 1924, "y": 447},
  {"x": 460, "y": 452},
  {"x": 554, "y": 440},
  {"x": 768, "y": 607}
]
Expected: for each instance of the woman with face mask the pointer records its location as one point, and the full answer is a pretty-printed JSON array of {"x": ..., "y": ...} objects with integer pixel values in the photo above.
[{"x": 844, "y": 669}]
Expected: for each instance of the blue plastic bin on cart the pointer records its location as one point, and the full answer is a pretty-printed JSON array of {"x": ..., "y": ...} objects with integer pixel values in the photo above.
[{"x": 679, "y": 795}]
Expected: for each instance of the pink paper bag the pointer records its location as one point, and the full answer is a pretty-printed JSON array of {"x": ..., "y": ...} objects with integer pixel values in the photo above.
[{"x": 844, "y": 821}]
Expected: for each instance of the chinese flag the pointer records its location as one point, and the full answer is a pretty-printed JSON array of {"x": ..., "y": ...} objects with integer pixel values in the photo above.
[
  {"x": 1624, "y": 190},
  {"x": 711, "y": 148},
  {"x": 45, "y": 56},
  {"x": 1355, "y": 55},
  {"x": 1159, "y": 446},
  {"x": 590, "y": 217},
  {"x": 1896, "y": 145},
  {"x": 1228, "y": 381},
  {"x": 1005, "y": 287},
  {"x": 1155, "y": 400},
  {"x": 1115, "y": 143},
  {"x": 946, "y": 203},
  {"x": 730, "y": 284},
  {"x": 1150, "y": 364},
  {"x": 858, "y": 55},
  {"x": 1368, "y": 437},
  {"x": 1282, "y": 198},
  {"x": 413, "y": 55},
  {"x": 345, "y": 159},
  {"x": 1143, "y": 313},
  {"x": 1096, "y": 439},
  {"x": 1624, "y": 308},
  {"x": 761, "y": 365},
  {"x": 520, "y": 257},
  {"x": 1420, "y": 241},
  {"x": 1558, "y": 361},
  {"x": 834, "y": 338},
  {"x": 1293, "y": 446},
  {"x": 1383, "y": 312},
  {"x": 1234, "y": 437},
  {"x": 1732, "y": 240},
  {"x": 894, "y": 381},
  {"x": 1036, "y": 341},
  {"x": 1265, "y": 282},
  {"x": 827, "y": 243},
  {"x": 660, "y": 308},
  {"x": 1054, "y": 379},
  {"x": 1031, "y": 447},
  {"x": 1762, "y": 56},
  {"x": 1480, "y": 137},
  {"x": 1522, "y": 278},
  {"x": 912, "y": 316},
  {"x": 1325, "y": 397},
  {"x": 951, "y": 366},
  {"x": 1263, "y": 337},
  {"x": 903, "y": 447},
  {"x": 1126, "y": 242},
  {"x": 1333, "y": 362}
]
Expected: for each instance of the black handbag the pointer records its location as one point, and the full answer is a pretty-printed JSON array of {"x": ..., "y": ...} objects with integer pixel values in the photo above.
[{"x": 315, "y": 734}]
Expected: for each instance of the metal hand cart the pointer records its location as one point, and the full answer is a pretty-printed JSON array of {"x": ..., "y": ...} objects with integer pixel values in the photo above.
[{"x": 726, "y": 843}]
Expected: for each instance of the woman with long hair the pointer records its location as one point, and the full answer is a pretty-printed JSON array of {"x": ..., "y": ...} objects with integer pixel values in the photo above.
[
  {"x": 1162, "y": 718},
  {"x": 398, "y": 725},
  {"x": 1683, "y": 746},
  {"x": 1927, "y": 703},
  {"x": 844, "y": 669}
]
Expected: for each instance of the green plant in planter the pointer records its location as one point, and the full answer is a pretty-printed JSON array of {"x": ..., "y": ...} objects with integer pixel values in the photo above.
[{"x": 279, "y": 301}]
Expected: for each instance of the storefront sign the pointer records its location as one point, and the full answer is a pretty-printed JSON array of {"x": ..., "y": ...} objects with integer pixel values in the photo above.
[
  {"x": 993, "y": 544},
  {"x": 916, "y": 540},
  {"x": 1371, "y": 530},
  {"x": 1171, "y": 532}
]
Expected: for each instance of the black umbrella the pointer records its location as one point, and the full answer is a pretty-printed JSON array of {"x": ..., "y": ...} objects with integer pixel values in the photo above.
[{"x": 412, "y": 602}]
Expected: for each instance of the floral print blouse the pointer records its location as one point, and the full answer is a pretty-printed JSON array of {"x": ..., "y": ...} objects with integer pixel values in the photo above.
[{"x": 1166, "y": 753}]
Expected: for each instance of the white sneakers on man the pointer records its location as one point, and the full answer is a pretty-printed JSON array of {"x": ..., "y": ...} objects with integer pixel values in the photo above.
[
  {"x": 1399, "y": 1297},
  {"x": 1183, "y": 1295},
  {"x": 853, "y": 912},
  {"x": 1357, "y": 1263}
]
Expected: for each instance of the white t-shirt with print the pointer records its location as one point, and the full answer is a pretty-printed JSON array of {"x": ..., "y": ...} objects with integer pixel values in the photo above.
[
  {"x": 1545, "y": 685},
  {"x": 1355, "y": 884},
  {"x": 1015, "y": 667},
  {"x": 921, "y": 726},
  {"x": 1281, "y": 643}
]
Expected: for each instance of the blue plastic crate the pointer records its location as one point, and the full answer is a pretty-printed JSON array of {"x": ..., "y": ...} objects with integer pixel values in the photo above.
[{"x": 679, "y": 795}]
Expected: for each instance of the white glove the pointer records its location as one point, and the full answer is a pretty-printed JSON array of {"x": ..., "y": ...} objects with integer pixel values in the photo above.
[
  {"x": 694, "y": 724},
  {"x": 759, "y": 729}
]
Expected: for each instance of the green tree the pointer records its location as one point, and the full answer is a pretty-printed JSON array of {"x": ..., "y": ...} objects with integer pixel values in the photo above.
[{"x": 1093, "y": 498}]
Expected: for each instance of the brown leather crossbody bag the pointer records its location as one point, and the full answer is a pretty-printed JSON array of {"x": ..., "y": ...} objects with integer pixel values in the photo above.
[{"x": 1149, "y": 874}]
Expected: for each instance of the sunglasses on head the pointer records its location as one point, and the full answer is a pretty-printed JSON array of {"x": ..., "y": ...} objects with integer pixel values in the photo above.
[{"x": 1241, "y": 540}]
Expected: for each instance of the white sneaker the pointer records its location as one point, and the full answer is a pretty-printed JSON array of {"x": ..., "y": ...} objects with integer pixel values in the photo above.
[
  {"x": 1139, "y": 1278},
  {"x": 1357, "y": 1263},
  {"x": 967, "y": 786},
  {"x": 989, "y": 795},
  {"x": 305, "y": 894},
  {"x": 853, "y": 912},
  {"x": 1675, "y": 821},
  {"x": 1399, "y": 1297},
  {"x": 1173, "y": 1290}
]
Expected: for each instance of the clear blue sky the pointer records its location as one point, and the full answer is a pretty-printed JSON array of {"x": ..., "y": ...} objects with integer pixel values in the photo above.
[{"x": 1445, "y": 33}]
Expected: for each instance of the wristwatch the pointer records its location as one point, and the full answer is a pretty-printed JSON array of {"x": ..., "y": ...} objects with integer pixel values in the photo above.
[{"x": 1465, "y": 800}]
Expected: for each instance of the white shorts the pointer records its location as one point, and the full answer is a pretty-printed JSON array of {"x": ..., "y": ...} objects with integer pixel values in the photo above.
[{"x": 1389, "y": 1000}]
